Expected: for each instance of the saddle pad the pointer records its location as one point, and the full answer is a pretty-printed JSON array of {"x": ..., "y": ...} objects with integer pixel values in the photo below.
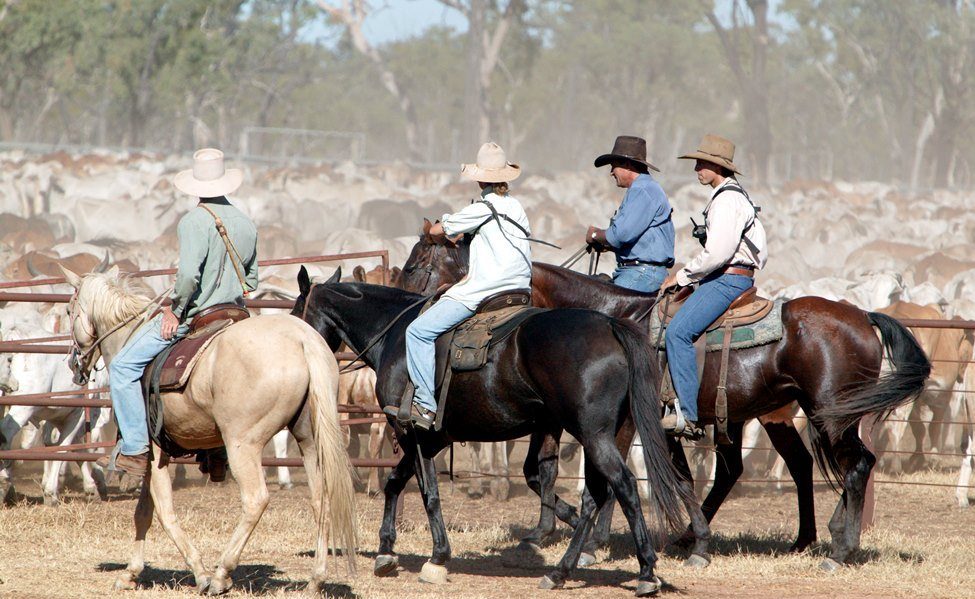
[
  {"x": 767, "y": 330},
  {"x": 177, "y": 365},
  {"x": 472, "y": 338}
]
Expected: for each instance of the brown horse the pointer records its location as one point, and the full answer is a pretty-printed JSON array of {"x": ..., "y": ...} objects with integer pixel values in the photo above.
[{"x": 828, "y": 361}]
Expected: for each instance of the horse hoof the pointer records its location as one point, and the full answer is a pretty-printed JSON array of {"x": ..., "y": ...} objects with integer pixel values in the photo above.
[
  {"x": 431, "y": 573},
  {"x": 125, "y": 583},
  {"x": 586, "y": 560},
  {"x": 202, "y": 584},
  {"x": 51, "y": 501},
  {"x": 830, "y": 565},
  {"x": 547, "y": 584},
  {"x": 286, "y": 486},
  {"x": 219, "y": 586},
  {"x": 385, "y": 565},
  {"x": 800, "y": 546},
  {"x": 697, "y": 561},
  {"x": 648, "y": 588}
]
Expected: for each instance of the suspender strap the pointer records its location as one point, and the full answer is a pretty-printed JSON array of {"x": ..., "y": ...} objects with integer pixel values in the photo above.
[
  {"x": 231, "y": 250},
  {"x": 496, "y": 216}
]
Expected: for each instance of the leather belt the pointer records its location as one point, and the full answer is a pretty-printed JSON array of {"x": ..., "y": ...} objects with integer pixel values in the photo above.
[
  {"x": 638, "y": 262},
  {"x": 745, "y": 271}
]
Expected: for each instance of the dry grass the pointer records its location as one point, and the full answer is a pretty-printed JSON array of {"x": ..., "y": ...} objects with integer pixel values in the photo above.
[{"x": 921, "y": 546}]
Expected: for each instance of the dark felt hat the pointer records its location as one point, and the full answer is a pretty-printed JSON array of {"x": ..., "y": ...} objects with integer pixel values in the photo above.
[{"x": 629, "y": 148}]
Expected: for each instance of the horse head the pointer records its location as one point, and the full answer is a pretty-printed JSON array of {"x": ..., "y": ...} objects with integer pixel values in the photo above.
[{"x": 433, "y": 262}]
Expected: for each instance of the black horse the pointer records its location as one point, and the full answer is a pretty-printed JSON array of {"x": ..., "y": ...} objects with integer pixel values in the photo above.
[
  {"x": 828, "y": 361},
  {"x": 573, "y": 370}
]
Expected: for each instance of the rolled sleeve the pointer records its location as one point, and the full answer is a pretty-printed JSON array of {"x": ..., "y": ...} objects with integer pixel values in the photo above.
[
  {"x": 725, "y": 226},
  {"x": 193, "y": 249},
  {"x": 251, "y": 274},
  {"x": 466, "y": 220}
]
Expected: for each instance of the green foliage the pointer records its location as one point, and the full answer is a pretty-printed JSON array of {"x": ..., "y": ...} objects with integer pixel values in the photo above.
[{"x": 854, "y": 88}]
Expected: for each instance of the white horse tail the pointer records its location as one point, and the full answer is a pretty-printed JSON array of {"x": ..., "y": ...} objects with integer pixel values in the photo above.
[{"x": 336, "y": 513}]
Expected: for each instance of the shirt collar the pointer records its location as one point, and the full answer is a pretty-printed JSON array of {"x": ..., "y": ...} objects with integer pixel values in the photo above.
[{"x": 727, "y": 181}]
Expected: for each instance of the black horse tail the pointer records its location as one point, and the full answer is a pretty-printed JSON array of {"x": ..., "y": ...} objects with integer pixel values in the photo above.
[
  {"x": 669, "y": 490},
  {"x": 905, "y": 381}
]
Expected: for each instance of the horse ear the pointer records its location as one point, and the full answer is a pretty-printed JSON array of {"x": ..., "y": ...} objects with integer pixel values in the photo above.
[
  {"x": 359, "y": 274},
  {"x": 336, "y": 276},
  {"x": 72, "y": 278},
  {"x": 426, "y": 226},
  {"x": 113, "y": 271},
  {"x": 304, "y": 282}
]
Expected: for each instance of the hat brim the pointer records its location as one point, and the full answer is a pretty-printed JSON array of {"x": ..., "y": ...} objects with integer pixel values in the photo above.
[
  {"x": 509, "y": 172},
  {"x": 225, "y": 185},
  {"x": 607, "y": 158},
  {"x": 712, "y": 159}
]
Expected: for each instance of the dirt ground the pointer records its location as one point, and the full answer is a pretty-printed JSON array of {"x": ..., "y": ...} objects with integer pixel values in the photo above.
[{"x": 921, "y": 545}]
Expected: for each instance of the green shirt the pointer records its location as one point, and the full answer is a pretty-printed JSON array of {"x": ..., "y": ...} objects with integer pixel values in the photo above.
[{"x": 206, "y": 275}]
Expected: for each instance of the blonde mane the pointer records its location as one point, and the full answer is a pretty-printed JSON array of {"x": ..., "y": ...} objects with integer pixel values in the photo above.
[{"x": 110, "y": 299}]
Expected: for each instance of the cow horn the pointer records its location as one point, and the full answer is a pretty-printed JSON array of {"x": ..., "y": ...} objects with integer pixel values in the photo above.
[
  {"x": 30, "y": 267},
  {"x": 104, "y": 264}
]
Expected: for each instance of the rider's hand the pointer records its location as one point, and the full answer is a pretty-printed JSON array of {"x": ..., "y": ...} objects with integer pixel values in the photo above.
[
  {"x": 670, "y": 281},
  {"x": 169, "y": 323},
  {"x": 596, "y": 238}
]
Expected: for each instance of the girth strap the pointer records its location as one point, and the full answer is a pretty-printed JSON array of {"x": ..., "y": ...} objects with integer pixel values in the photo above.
[{"x": 721, "y": 400}]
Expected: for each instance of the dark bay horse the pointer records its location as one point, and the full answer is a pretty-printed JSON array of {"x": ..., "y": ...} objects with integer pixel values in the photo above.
[
  {"x": 828, "y": 361},
  {"x": 574, "y": 370}
]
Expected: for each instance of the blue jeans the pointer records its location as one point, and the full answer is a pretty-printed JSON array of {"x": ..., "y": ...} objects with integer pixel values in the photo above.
[
  {"x": 421, "y": 336},
  {"x": 705, "y": 305},
  {"x": 124, "y": 379},
  {"x": 643, "y": 277}
]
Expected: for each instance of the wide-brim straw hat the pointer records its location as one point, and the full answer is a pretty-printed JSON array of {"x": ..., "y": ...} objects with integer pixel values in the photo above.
[
  {"x": 208, "y": 178},
  {"x": 716, "y": 149},
  {"x": 492, "y": 166},
  {"x": 627, "y": 148}
]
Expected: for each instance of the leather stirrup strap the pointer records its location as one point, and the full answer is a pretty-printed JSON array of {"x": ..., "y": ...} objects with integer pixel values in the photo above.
[
  {"x": 442, "y": 400},
  {"x": 406, "y": 402},
  {"x": 231, "y": 250},
  {"x": 721, "y": 401}
]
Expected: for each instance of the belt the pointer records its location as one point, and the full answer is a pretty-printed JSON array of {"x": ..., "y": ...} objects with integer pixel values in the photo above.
[
  {"x": 636, "y": 262},
  {"x": 732, "y": 269}
]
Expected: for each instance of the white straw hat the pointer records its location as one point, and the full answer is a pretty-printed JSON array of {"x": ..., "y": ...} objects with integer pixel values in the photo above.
[
  {"x": 491, "y": 167},
  {"x": 208, "y": 178}
]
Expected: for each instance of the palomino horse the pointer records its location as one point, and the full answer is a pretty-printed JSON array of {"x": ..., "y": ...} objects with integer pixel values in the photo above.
[
  {"x": 260, "y": 375},
  {"x": 524, "y": 387},
  {"x": 828, "y": 361}
]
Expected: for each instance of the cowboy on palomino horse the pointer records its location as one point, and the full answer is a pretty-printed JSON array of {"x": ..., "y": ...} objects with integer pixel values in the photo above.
[
  {"x": 641, "y": 233},
  {"x": 500, "y": 260},
  {"x": 202, "y": 281},
  {"x": 734, "y": 248}
]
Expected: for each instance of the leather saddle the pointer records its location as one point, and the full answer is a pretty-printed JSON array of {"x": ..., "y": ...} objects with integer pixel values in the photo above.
[
  {"x": 172, "y": 367},
  {"x": 747, "y": 308}
]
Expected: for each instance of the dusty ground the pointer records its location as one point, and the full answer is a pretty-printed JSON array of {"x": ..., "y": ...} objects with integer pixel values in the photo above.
[{"x": 920, "y": 546}]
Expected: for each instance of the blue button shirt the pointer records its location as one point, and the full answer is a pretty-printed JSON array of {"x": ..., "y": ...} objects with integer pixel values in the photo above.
[{"x": 642, "y": 228}]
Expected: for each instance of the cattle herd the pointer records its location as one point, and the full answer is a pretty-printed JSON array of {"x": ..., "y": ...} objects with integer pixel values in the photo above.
[{"x": 867, "y": 243}]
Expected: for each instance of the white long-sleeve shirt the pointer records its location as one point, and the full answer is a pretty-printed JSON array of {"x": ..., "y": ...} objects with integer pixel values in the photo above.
[
  {"x": 726, "y": 216},
  {"x": 499, "y": 261}
]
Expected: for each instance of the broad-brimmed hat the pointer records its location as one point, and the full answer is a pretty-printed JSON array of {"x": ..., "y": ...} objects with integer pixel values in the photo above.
[
  {"x": 492, "y": 166},
  {"x": 716, "y": 149},
  {"x": 627, "y": 147},
  {"x": 208, "y": 178}
]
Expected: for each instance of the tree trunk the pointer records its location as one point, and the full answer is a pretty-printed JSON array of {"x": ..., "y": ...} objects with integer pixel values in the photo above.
[{"x": 476, "y": 124}]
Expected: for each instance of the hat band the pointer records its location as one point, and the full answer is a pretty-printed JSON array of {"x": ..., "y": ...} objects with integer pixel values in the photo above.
[{"x": 715, "y": 155}]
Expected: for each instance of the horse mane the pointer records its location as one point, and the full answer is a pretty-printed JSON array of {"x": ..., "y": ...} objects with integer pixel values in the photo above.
[{"x": 110, "y": 299}]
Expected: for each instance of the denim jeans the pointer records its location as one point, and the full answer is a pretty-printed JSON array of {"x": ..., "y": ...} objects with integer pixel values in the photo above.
[
  {"x": 703, "y": 307},
  {"x": 642, "y": 277},
  {"x": 421, "y": 337},
  {"x": 124, "y": 379}
]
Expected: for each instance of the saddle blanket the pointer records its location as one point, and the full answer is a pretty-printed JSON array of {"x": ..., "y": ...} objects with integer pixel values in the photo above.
[{"x": 766, "y": 330}]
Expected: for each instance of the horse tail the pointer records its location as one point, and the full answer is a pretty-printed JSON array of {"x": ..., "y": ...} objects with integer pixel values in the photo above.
[
  {"x": 336, "y": 509},
  {"x": 905, "y": 381},
  {"x": 669, "y": 489}
]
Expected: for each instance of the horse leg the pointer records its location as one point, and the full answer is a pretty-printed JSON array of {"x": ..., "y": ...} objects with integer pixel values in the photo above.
[
  {"x": 855, "y": 462},
  {"x": 434, "y": 571},
  {"x": 475, "y": 485},
  {"x": 594, "y": 495},
  {"x": 143, "y": 520},
  {"x": 500, "y": 485},
  {"x": 787, "y": 442},
  {"x": 918, "y": 430},
  {"x": 728, "y": 469},
  {"x": 245, "y": 462},
  {"x": 541, "y": 469},
  {"x": 626, "y": 441},
  {"x": 386, "y": 559},
  {"x": 376, "y": 433},
  {"x": 161, "y": 491},
  {"x": 698, "y": 532},
  {"x": 280, "y": 441}
]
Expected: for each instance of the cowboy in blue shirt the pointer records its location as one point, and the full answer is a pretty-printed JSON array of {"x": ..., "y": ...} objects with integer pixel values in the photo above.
[{"x": 641, "y": 234}]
